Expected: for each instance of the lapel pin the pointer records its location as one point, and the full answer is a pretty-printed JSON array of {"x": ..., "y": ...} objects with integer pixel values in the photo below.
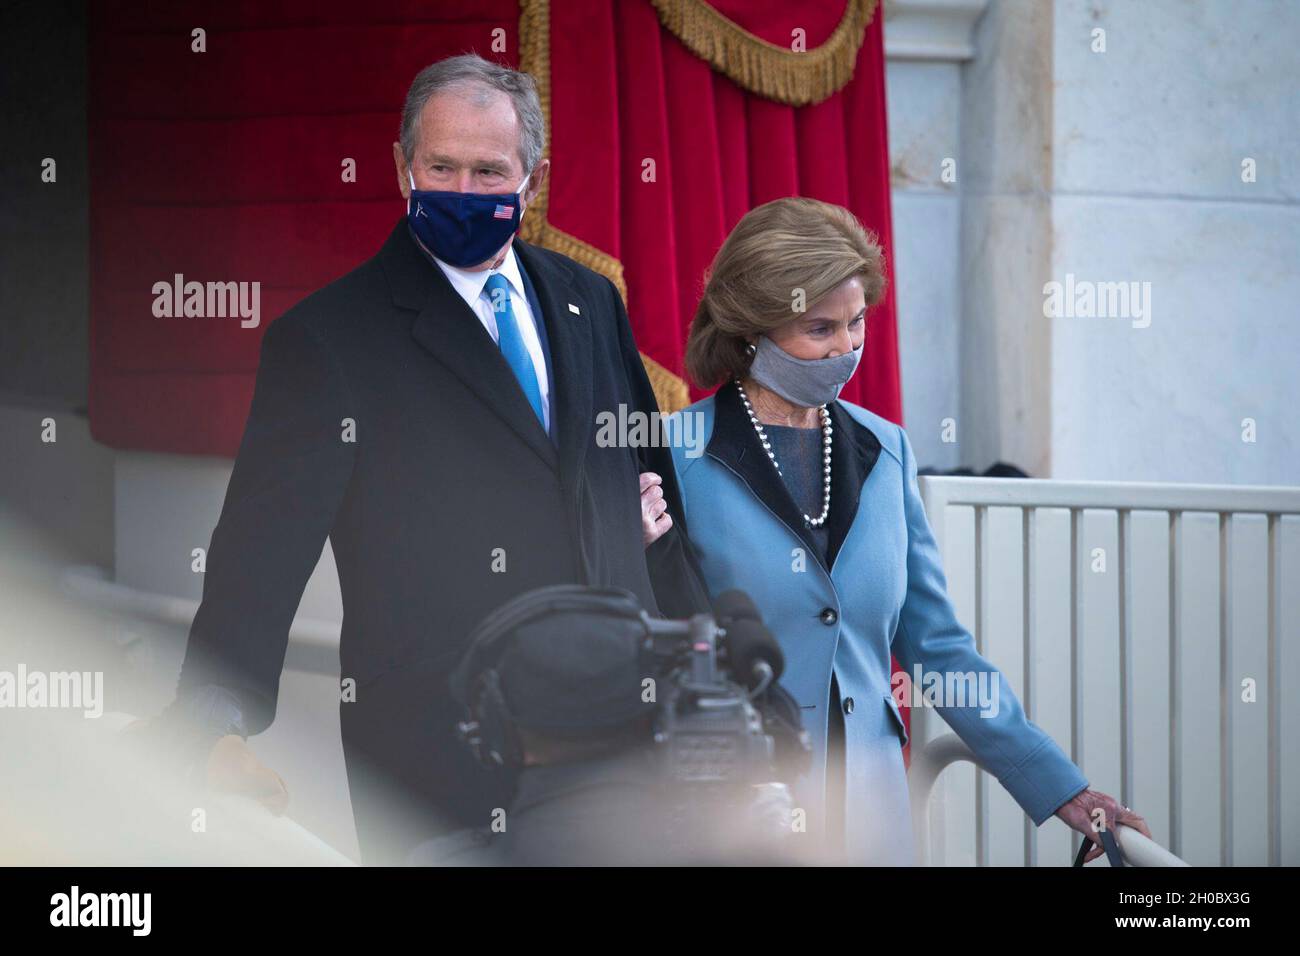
[{"x": 574, "y": 309}]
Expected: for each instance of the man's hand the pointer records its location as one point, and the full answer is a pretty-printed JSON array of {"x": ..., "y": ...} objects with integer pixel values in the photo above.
[
  {"x": 1091, "y": 805},
  {"x": 233, "y": 768},
  {"x": 655, "y": 519},
  {"x": 200, "y": 739}
]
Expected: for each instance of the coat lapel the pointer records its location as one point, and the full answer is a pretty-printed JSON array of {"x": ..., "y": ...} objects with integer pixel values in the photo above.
[
  {"x": 854, "y": 451},
  {"x": 449, "y": 330},
  {"x": 571, "y": 355},
  {"x": 735, "y": 444}
]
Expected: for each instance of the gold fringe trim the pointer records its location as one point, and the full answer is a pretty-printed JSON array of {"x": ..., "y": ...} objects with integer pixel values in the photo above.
[
  {"x": 670, "y": 390},
  {"x": 774, "y": 72},
  {"x": 535, "y": 58}
]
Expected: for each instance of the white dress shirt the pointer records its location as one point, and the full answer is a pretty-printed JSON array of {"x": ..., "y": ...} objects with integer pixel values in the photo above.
[{"x": 470, "y": 287}]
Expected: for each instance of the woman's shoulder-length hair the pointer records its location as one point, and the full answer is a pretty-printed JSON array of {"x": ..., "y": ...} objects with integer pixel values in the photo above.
[{"x": 781, "y": 258}]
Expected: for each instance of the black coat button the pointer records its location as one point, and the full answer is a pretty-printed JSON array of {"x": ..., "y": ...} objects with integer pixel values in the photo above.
[
  {"x": 828, "y": 616},
  {"x": 848, "y": 705}
]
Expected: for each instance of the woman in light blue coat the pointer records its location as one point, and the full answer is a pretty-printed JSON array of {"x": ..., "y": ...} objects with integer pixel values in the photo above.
[{"x": 810, "y": 505}]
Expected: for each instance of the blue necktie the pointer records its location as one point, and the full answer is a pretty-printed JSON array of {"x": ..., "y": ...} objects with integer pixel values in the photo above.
[{"x": 511, "y": 341}]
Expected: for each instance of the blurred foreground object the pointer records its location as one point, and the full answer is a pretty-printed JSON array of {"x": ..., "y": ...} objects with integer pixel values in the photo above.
[{"x": 75, "y": 789}]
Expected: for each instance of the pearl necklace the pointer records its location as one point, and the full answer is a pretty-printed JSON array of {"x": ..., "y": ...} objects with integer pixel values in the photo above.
[{"x": 826, "y": 454}]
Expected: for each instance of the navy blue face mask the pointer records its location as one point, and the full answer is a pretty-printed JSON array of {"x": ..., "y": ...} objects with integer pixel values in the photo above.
[{"x": 464, "y": 229}]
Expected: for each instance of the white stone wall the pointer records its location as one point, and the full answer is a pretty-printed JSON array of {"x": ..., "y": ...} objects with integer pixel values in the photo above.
[
  {"x": 1115, "y": 166},
  {"x": 1149, "y": 139}
]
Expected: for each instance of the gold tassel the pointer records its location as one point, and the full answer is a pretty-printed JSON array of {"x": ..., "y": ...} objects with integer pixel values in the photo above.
[{"x": 774, "y": 72}]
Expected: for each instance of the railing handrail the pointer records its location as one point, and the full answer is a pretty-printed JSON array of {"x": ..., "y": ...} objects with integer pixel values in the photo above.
[
  {"x": 933, "y": 757},
  {"x": 1127, "y": 495}
]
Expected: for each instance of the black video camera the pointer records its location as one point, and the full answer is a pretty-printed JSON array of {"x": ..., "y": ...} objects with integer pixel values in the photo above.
[
  {"x": 722, "y": 718},
  {"x": 572, "y": 661}
]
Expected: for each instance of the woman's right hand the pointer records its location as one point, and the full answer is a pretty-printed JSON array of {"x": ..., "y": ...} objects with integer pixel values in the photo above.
[{"x": 1091, "y": 811}]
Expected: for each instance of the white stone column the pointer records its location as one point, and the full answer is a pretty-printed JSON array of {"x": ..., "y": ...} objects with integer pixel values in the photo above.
[
  {"x": 1006, "y": 239},
  {"x": 926, "y": 43}
]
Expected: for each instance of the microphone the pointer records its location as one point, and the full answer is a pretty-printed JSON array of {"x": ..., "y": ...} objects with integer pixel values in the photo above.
[
  {"x": 753, "y": 652},
  {"x": 735, "y": 605}
]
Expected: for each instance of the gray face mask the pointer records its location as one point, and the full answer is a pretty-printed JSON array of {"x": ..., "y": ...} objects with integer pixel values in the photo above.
[{"x": 806, "y": 382}]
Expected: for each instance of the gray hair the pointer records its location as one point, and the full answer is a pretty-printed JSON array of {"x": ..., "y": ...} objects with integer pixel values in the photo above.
[{"x": 472, "y": 74}]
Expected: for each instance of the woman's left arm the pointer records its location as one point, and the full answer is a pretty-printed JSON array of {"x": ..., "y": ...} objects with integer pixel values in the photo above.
[{"x": 1026, "y": 761}]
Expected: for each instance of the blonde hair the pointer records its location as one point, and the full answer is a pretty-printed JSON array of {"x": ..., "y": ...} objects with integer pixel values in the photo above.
[{"x": 776, "y": 250}]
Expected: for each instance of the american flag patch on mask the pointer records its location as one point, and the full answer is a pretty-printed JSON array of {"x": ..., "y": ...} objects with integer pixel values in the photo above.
[{"x": 504, "y": 212}]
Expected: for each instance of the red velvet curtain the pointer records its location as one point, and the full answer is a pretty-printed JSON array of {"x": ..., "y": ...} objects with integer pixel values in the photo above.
[
  {"x": 625, "y": 90},
  {"x": 227, "y": 165}
]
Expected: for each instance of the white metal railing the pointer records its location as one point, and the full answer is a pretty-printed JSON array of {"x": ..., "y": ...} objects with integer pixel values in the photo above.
[{"x": 1153, "y": 631}]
